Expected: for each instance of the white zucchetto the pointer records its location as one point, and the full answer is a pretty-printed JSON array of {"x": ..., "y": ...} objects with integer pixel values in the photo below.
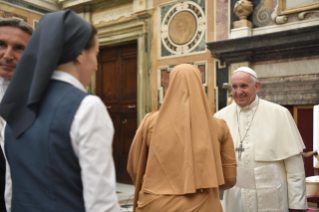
[{"x": 247, "y": 70}]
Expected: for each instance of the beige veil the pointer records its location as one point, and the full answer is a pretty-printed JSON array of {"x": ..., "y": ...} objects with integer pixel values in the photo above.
[{"x": 184, "y": 153}]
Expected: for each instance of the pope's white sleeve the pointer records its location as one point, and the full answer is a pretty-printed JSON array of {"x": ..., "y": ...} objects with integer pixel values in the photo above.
[
  {"x": 296, "y": 182},
  {"x": 91, "y": 136}
]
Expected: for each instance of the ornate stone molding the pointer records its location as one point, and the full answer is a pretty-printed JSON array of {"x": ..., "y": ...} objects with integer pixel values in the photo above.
[
  {"x": 301, "y": 15},
  {"x": 71, "y": 3},
  {"x": 279, "y": 45},
  {"x": 139, "y": 5},
  {"x": 278, "y": 19},
  {"x": 112, "y": 15},
  {"x": 283, "y": 18},
  {"x": 182, "y": 29}
]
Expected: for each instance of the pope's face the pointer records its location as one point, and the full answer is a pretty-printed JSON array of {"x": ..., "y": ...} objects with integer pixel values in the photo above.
[
  {"x": 244, "y": 88},
  {"x": 12, "y": 44}
]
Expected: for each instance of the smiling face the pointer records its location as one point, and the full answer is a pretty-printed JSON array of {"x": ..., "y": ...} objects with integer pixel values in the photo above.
[
  {"x": 244, "y": 88},
  {"x": 12, "y": 44}
]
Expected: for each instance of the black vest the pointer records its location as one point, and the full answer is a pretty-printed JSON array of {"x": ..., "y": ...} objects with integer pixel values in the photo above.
[{"x": 46, "y": 175}]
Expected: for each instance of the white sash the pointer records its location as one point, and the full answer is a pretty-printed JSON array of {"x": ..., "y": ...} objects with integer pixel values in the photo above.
[{"x": 266, "y": 181}]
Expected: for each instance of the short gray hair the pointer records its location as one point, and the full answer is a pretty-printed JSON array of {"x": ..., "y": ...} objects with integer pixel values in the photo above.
[
  {"x": 16, "y": 24},
  {"x": 254, "y": 79}
]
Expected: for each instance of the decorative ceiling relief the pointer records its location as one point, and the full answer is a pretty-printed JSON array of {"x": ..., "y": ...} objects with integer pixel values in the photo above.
[
  {"x": 183, "y": 28},
  {"x": 113, "y": 14}
]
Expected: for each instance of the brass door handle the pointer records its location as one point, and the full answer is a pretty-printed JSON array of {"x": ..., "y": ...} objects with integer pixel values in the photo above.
[
  {"x": 131, "y": 106},
  {"x": 124, "y": 121},
  {"x": 108, "y": 107}
]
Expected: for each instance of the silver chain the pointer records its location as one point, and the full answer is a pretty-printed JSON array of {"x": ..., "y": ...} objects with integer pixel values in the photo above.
[{"x": 241, "y": 141}]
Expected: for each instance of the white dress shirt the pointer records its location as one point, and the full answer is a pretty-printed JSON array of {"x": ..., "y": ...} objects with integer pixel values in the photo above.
[
  {"x": 3, "y": 87},
  {"x": 91, "y": 137},
  {"x": 8, "y": 187}
]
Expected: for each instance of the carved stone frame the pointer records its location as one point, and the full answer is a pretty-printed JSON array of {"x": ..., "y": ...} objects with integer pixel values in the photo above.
[
  {"x": 283, "y": 11},
  {"x": 126, "y": 31}
]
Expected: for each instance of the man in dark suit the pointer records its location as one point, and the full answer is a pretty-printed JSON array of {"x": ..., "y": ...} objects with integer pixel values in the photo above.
[{"x": 14, "y": 36}]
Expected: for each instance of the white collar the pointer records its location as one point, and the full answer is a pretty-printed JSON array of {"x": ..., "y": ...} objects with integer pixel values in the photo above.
[
  {"x": 250, "y": 106},
  {"x": 68, "y": 78},
  {"x": 4, "y": 82}
]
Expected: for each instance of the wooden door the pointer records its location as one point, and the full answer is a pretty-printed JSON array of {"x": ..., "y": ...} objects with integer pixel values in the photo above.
[
  {"x": 303, "y": 116},
  {"x": 116, "y": 85}
]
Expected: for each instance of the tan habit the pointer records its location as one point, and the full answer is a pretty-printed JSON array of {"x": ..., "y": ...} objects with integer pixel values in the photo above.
[{"x": 180, "y": 154}]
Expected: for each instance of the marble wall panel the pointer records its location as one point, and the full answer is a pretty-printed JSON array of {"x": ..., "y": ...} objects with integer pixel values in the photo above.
[
  {"x": 287, "y": 68},
  {"x": 291, "y": 90},
  {"x": 221, "y": 21}
]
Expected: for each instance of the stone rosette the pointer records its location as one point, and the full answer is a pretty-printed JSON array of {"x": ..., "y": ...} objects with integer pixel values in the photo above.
[{"x": 187, "y": 20}]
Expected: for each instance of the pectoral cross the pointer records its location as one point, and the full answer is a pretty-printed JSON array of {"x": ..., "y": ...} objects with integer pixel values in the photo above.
[{"x": 240, "y": 149}]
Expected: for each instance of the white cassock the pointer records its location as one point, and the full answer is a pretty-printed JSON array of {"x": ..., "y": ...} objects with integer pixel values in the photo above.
[
  {"x": 270, "y": 173},
  {"x": 91, "y": 137}
]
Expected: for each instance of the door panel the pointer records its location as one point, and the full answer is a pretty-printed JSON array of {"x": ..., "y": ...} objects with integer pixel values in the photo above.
[
  {"x": 117, "y": 86},
  {"x": 305, "y": 126},
  {"x": 110, "y": 71},
  {"x": 128, "y": 129},
  {"x": 129, "y": 86}
]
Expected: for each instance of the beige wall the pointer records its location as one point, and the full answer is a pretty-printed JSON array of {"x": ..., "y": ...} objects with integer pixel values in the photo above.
[{"x": 31, "y": 16}]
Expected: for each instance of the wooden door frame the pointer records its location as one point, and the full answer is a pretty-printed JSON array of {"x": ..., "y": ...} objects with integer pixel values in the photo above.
[
  {"x": 295, "y": 111},
  {"x": 300, "y": 107},
  {"x": 125, "y": 31}
]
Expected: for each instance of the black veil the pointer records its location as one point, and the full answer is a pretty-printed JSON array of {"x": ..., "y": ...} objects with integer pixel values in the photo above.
[{"x": 59, "y": 38}]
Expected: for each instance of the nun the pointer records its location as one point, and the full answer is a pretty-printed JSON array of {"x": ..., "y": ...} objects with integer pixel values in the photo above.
[
  {"x": 181, "y": 156},
  {"x": 58, "y": 138}
]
